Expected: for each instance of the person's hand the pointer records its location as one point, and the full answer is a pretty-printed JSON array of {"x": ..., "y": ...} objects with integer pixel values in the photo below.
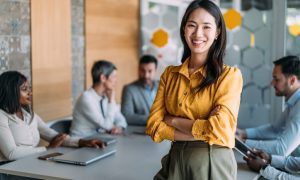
[
  {"x": 263, "y": 155},
  {"x": 255, "y": 164},
  {"x": 241, "y": 134},
  {"x": 168, "y": 119},
  {"x": 116, "y": 130},
  {"x": 110, "y": 93},
  {"x": 91, "y": 143},
  {"x": 57, "y": 141}
]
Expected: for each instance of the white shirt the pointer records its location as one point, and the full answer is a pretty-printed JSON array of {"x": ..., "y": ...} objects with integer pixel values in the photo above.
[
  {"x": 19, "y": 138},
  {"x": 88, "y": 115}
]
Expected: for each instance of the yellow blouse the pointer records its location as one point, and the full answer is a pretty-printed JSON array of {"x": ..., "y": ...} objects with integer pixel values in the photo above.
[{"x": 175, "y": 97}]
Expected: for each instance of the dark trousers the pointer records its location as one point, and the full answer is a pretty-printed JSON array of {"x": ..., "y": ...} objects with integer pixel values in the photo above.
[{"x": 198, "y": 160}]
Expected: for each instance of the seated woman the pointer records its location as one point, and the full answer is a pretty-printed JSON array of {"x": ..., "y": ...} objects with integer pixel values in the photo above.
[
  {"x": 96, "y": 109},
  {"x": 20, "y": 128}
]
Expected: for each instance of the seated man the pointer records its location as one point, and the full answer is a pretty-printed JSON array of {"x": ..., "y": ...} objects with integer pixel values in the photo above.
[
  {"x": 282, "y": 137},
  {"x": 96, "y": 109},
  {"x": 137, "y": 97},
  {"x": 275, "y": 167}
]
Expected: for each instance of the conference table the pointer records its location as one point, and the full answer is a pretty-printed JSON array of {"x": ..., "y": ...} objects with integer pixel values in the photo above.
[{"x": 137, "y": 158}]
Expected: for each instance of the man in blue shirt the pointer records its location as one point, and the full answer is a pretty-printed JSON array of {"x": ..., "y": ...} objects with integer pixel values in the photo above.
[
  {"x": 282, "y": 137},
  {"x": 138, "y": 97},
  {"x": 274, "y": 166}
]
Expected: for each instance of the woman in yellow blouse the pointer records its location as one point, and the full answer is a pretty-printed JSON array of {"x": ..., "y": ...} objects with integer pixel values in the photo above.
[{"x": 197, "y": 103}]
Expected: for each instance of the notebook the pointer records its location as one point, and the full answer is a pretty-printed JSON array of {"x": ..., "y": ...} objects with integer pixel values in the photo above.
[{"x": 84, "y": 156}]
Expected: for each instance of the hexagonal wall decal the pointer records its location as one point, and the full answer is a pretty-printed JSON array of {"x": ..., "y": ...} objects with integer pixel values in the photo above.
[
  {"x": 263, "y": 38},
  {"x": 160, "y": 38},
  {"x": 267, "y": 95},
  {"x": 232, "y": 56},
  {"x": 169, "y": 19},
  {"x": 241, "y": 38},
  {"x": 262, "y": 76},
  {"x": 244, "y": 116},
  {"x": 251, "y": 95},
  {"x": 294, "y": 29},
  {"x": 150, "y": 21},
  {"x": 252, "y": 57},
  {"x": 246, "y": 73},
  {"x": 232, "y": 19},
  {"x": 253, "y": 19},
  {"x": 261, "y": 115}
]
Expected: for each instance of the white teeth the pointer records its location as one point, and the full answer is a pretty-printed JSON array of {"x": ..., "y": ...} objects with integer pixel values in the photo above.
[{"x": 197, "y": 42}]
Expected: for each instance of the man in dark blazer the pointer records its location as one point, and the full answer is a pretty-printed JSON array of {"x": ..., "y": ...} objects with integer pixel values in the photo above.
[{"x": 138, "y": 96}]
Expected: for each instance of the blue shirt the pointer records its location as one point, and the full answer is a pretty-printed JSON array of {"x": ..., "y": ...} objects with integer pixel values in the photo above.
[
  {"x": 282, "y": 137},
  {"x": 290, "y": 167},
  {"x": 151, "y": 92}
]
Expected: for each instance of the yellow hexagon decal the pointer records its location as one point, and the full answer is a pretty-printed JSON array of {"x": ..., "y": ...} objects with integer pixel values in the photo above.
[
  {"x": 160, "y": 38},
  {"x": 294, "y": 29},
  {"x": 232, "y": 19}
]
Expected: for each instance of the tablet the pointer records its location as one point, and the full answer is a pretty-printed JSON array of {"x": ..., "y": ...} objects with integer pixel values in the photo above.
[{"x": 243, "y": 148}]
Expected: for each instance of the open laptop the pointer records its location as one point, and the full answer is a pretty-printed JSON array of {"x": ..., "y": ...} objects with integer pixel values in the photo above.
[{"x": 84, "y": 156}]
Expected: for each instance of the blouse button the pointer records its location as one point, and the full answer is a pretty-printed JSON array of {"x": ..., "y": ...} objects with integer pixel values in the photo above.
[
  {"x": 185, "y": 93},
  {"x": 180, "y": 104}
]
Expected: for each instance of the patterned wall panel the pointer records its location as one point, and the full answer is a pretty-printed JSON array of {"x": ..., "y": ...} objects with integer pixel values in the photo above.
[
  {"x": 250, "y": 50},
  {"x": 15, "y": 36},
  {"x": 160, "y": 33},
  {"x": 78, "y": 46}
]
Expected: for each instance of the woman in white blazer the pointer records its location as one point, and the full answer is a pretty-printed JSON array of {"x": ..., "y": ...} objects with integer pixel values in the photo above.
[{"x": 20, "y": 128}]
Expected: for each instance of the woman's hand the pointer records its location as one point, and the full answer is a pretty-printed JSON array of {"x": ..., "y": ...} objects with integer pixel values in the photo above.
[
  {"x": 91, "y": 143},
  {"x": 57, "y": 141},
  {"x": 116, "y": 130},
  {"x": 168, "y": 119}
]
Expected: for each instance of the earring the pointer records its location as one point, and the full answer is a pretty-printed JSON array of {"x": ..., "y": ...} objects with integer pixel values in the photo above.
[{"x": 216, "y": 38}]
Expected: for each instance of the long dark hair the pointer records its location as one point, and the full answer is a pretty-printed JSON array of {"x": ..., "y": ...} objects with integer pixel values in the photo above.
[
  {"x": 217, "y": 50},
  {"x": 10, "y": 83}
]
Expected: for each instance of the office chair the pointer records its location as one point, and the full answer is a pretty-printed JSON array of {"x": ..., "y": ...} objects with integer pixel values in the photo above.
[{"x": 61, "y": 126}]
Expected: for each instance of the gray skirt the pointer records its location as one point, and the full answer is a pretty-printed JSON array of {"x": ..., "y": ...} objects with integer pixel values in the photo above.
[{"x": 193, "y": 160}]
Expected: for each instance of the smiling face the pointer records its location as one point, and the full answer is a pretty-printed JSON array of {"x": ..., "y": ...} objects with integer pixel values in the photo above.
[
  {"x": 25, "y": 94},
  {"x": 200, "y": 31}
]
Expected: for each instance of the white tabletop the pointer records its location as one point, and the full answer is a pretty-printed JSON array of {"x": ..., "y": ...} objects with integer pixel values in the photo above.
[{"x": 137, "y": 157}]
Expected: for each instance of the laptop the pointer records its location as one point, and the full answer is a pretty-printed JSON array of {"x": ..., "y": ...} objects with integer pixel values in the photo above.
[
  {"x": 84, "y": 156},
  {"x": 108, "y": 139}
]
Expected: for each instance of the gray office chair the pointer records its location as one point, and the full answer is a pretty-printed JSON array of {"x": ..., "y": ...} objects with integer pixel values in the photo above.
[{"x": 61, "y": 126}]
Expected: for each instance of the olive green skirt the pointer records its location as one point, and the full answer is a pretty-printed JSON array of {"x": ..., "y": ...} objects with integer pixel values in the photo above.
[{"x": 191, "y": 160}]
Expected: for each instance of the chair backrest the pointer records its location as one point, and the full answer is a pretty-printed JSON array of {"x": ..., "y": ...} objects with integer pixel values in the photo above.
[{"x": 61, "y": 126}]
